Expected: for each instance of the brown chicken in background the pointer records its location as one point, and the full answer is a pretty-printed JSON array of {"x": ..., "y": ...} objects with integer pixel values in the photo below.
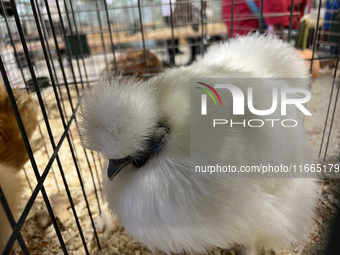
[
  {"x": 133, "y": 63},
  {"x": 12, "y": 147},
  {"x": 11, "y": 182},
  {"x": 13, "y": 154}
]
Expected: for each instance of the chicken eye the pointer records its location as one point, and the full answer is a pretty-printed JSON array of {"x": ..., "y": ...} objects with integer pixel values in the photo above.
[{"x": 158, "y": 147}]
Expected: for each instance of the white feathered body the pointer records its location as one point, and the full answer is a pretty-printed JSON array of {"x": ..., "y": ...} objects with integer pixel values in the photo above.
[{"x": 164, "y": 204}]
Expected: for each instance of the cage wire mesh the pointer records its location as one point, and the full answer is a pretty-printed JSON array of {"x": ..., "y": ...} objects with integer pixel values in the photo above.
[{"x": 55, "y": 49}]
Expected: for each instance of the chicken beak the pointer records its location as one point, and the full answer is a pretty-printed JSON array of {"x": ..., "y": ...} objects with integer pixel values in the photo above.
[{"x": 116, "y": 166}]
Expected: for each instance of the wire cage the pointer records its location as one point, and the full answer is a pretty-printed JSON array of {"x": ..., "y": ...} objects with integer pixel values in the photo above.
[{"x": 55, "y": 49}]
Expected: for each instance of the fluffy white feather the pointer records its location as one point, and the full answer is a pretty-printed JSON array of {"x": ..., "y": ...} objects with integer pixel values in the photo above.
[{"x": 164, "y": 204}]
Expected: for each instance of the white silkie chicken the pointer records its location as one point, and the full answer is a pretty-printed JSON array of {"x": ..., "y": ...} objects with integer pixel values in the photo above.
[{"x": 142, "y": 129}]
